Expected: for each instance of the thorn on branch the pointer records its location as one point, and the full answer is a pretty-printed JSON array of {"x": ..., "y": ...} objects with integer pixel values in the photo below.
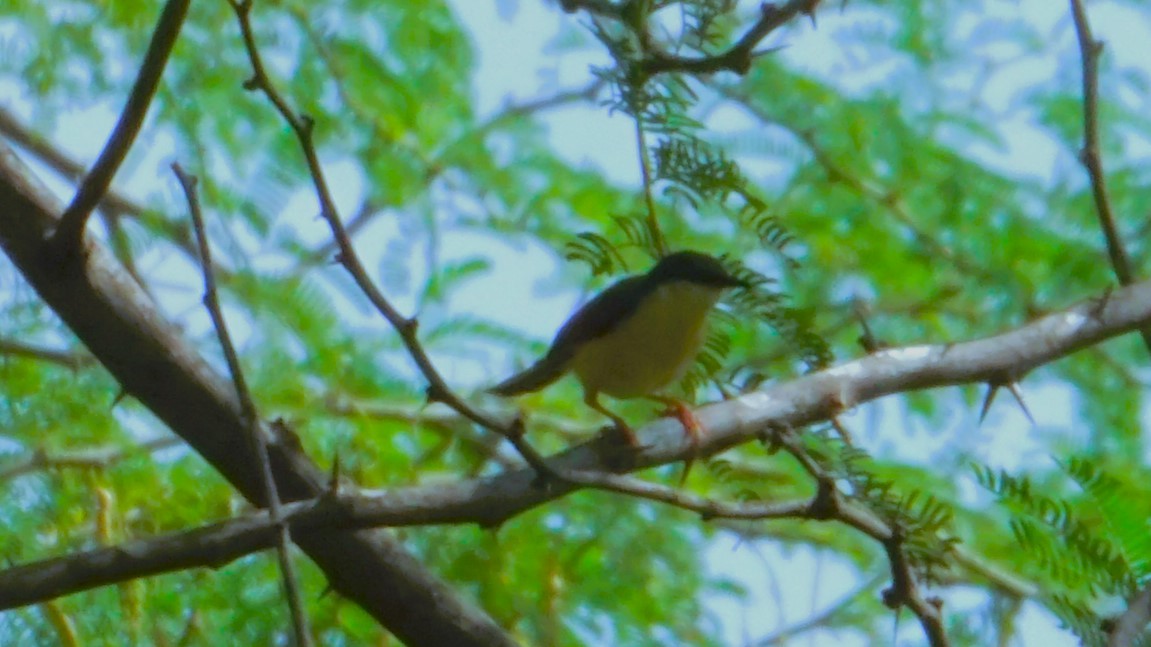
[
  {"x": 825, "y": 503},
  {"x": 517, "y": 428},
  {"x": 809, "y": 11},
  {"x": 334, "y": 478},
  {"x": 120, "y": 395},
  {"x": 842, "y": 431},
  {"x": 541, "y": 481},
  {"x": 867, "y": 340},
  {"x": 773, "y": 438},
  {"x": 434, "y": 394},
  {"x": 891, "y": 598},
  {"x": 1012, "y": 386},
  {"x": 992, "y": 389},
  {"x": 285, "y": 435},
  {"x": 1099, "y": 304}
]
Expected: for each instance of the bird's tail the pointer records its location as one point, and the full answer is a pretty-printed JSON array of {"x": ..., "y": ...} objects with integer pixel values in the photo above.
[{"x": 539, "y": 375}]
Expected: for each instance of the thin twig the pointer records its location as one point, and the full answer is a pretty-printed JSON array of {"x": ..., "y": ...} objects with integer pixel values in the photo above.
[
  {"x": 434, "y": 168},
  {"x": 595, "y": 7},
  {"x": 113, "y": 203},
  {"x": 71, "y": 360},
  {"x": 516, "y": 111},
  {"x": 92, "y": 458},
  {"x": 70, "y": 230},
  {"x": 737, "y": 58},
  {"x": 821, "y": 620},
  {"x": 829, "y": 504},
  {"x": 658, "y": 240},
  {"x": 1091, "y": 157},
  {"x": 250, "y": 416},
  {"x": 59, "y": 161},
  {"x": 438, "y": 390},
  {"x": 904, "y": 592}
]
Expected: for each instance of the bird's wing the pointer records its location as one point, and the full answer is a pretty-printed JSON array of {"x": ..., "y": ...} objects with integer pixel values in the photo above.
[
  {"x": 599, "y": 316},
  {"x": 595, "y": 319}
]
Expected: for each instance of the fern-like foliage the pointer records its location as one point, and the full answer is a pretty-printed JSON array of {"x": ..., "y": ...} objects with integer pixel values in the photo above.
[
  {"x": 604, "y": 256},
  {"x": 697, "y": 170},
  {"x": 1088, "y": 544},
  {"x": 692, "y": 176},
  {"x": 923, "y": 518}
]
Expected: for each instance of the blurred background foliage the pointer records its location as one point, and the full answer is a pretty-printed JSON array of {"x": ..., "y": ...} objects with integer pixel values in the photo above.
[{"x": 916, "y": 161}]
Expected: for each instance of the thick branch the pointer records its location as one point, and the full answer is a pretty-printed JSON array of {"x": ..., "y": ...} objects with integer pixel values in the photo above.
[
  {"x": 114, "y": 204},
  {"x": 492, "y": 500},
  {"x": 152, "y": 361},
  {"x": 58, "y": 161},
  {"x": 70, "y": 230}
]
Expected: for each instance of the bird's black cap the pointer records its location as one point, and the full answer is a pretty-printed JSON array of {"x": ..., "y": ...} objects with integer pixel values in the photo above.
[{"x": 694, "y": 267}]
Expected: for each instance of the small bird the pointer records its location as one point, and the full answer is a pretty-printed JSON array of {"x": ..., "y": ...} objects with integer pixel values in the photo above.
[{"x": 635, "y": 338}]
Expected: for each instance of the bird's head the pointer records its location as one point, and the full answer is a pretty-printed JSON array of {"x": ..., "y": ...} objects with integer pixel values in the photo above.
[{"x": 696, "y": 268}]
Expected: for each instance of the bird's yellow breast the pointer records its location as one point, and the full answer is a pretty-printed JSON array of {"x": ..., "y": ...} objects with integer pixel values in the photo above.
[{"x": 653, "y": 348}]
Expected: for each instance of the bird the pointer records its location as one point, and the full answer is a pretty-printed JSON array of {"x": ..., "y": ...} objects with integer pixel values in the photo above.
[{"x": 635, "y": 338}]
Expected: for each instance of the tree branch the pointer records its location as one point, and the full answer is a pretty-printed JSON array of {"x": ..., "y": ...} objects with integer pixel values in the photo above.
[
  {"x": 155, "y": 364},
  {"x": 438, "y": 389},
  {"x": 59, "y": 161},
  {"x": 739, "y": 56},
  {"x": 251, "y": 419},
  {"x": 1091, "y": 157},
  {"x": 492, "y": 500},
  {"x": 93, "y": 458},
  {"x": 70, "y": 230},
  {"x": 823, "y": 619},
  {"x": 114, "y": 204},
  {"x": 1130, "y": 625},
  {"x": 217, "y": 544},
  {"x": 65, "y": 358}
]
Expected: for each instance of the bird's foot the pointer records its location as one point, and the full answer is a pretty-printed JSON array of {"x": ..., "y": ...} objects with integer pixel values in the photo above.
[
  {"x": 692, "y": 429},
  {"x": 620, "y": 447},
  {"x": 626, "y": 434}
]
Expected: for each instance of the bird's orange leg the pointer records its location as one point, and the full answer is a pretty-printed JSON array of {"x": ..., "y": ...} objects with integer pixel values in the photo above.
[
  {"x": 591, "y": 399},
  {"x": 692, "y": 427}
]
